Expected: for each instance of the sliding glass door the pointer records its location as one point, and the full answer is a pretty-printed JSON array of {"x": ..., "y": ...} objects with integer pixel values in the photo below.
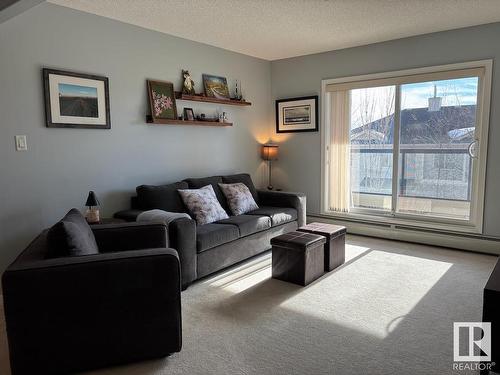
[
  {"x": 437, "y": 134},
  {"x": 407, "y": 146}
]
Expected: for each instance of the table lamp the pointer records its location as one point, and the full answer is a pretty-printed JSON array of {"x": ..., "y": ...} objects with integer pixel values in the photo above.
[
  {"x": 92, "y": 213},
  {"x": 269, "y": 152}
]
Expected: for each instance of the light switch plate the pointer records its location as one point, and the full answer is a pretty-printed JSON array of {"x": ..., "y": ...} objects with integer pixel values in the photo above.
[{"x": 21, "y": 144}]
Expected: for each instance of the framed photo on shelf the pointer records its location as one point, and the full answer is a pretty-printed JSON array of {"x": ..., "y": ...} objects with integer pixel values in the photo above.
[
  {"x": 188, "y": 114},
  {"x": 162, "y": 100},
  {"x": 76, "y": 100},
  {"x": 216, "y": 87},
  {"x": 297, "y": 115}
]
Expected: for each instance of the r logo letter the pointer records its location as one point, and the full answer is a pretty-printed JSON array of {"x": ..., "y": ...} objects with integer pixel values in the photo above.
[{"x": 481, "y": 345}]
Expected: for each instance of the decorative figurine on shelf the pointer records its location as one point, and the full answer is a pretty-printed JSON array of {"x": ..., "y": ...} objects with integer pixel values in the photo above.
[
  {"x": 188, "y": 86},
  {"x": 237, "y": 91}
]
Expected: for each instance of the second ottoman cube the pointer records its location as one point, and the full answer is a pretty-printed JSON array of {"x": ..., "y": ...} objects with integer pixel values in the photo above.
[{"x": 335, "y": 242}]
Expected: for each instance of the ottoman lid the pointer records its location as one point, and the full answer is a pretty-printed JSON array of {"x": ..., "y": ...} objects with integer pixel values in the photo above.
[
  {"x": 298, "y": 240},
  {"x": 328, "y": 230}
]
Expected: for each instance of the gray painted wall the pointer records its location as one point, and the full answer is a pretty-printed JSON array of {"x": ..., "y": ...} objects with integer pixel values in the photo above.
[
  {"x": 299, "y": 167},
  {"x": 38, "y": 186}
]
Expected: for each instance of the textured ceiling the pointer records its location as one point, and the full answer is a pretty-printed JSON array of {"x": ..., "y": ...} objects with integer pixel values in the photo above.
[{"x": 274, "y": 29}]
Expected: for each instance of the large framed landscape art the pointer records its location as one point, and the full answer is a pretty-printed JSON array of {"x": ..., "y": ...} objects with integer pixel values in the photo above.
[
  {"x": 76, "y": 100},
  {"x": 297, "y": 115}
]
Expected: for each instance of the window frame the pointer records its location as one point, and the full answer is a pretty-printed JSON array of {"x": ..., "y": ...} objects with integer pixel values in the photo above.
[{"x": 475, "y": 222}]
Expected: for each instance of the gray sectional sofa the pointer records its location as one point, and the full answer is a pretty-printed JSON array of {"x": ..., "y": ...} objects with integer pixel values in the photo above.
[{"x": 205, "y": 249}]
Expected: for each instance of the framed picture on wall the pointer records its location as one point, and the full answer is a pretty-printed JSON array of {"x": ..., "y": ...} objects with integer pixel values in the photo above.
[
  {"x": 297, "y": 114},
  {"x": 216, "y": 87},
  {"x": 76, "y": 100},
  {"x": 162, "y": 100}
]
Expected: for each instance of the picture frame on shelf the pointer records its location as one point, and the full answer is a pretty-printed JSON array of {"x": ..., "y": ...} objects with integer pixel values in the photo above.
[
  {"x": 162, "y": 103},
  {"x": 216, "y": 87},
  {"x": 76, "y": 100},
  {"x": 189, "y": 114},
  {"x": 297, "y": 115}
]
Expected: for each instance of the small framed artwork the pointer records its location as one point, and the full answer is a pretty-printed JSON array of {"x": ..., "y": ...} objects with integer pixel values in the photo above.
[
  {"x": 162, "y": 100},
  {"x": 188, "y": 114},
  {"x": 297, "y": 115},
  {"x": 76, "y": 100},
  {"x": 216, "y": 87}
]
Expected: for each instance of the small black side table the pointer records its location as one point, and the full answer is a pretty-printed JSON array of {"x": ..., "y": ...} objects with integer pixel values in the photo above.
[{"x": 109, "y": 220}]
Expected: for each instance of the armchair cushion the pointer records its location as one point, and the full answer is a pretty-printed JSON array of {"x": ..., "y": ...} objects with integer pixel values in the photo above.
[
  {"x": 71, "y": 236},
  {"x": 130, "y": 236}
]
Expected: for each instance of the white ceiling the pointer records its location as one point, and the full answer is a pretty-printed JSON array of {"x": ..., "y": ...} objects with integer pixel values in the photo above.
[{"x": 275, "y": 29}]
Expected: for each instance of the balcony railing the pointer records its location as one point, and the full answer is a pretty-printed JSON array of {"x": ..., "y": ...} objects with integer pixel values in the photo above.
[{"x": 427, "y": 171}]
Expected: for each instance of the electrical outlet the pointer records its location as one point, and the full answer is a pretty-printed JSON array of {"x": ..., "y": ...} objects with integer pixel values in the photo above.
[{"x": 21, "y": 144}]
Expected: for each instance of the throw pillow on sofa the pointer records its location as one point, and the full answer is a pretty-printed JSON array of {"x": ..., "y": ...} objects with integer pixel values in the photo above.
[
  {"x": 239, "y": 198},
  {"x": 71, "y": 236},
  {"x": 203, "y": 204}
]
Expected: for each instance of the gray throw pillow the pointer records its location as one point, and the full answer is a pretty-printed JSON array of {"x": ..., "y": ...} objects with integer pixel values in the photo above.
[
  {"x": 239, "y": 198},
  {"x": 203, "y": 204},
  {"x": 71, "y": 236}
]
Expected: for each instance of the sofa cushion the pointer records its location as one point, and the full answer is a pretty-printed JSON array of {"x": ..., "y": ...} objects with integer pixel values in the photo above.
[
  {"x": 162, "y": 197},
  {"x": 243, "y": 178},
  {"x": 203, "y": 204},
  {"x": 197, "y": 183},
  {"x": 239, "y": 198},
  {"x": 248, "y": 224},
  {"x": 71, "y": 236},
  {"x": 212, "y": 235},
  {"x": 278, "y": 215}
]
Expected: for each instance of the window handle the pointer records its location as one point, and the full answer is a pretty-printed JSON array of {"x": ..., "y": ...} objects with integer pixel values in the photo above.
[{"x": 473, "y": 148}]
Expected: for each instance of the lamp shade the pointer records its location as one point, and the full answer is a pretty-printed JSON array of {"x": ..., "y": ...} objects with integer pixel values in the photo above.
[
  {"x": 92, "y": 200},
  {"x": 269, "y": 152}
]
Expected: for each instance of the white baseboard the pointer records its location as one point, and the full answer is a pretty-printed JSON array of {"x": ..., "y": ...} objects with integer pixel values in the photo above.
[{"x": 460, "y": 241}]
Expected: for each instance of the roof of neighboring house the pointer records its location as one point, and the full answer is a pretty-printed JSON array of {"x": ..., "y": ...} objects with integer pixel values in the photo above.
[{"x": 419, "y": 125}]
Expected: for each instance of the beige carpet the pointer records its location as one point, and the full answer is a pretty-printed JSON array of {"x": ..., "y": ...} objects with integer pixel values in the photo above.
[{"x": 389, "y": 310}]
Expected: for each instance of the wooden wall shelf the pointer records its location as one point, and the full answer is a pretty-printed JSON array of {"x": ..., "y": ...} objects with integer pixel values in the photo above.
[
  {"x": 185, "y": 122},
  {"x": 205, "y": 99}
]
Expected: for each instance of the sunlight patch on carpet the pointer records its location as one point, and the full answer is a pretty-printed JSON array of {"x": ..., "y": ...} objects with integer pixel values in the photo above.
[{"x": 391, "y": 284}]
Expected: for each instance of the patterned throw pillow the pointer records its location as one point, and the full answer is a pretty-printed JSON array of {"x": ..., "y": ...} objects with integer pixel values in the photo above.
[
  {"x": 203, "y": 204},
  {"x": 239, "y": 198}
]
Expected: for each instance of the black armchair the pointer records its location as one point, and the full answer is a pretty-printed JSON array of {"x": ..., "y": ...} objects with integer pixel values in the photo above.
[{"x": 78, "y": 313}]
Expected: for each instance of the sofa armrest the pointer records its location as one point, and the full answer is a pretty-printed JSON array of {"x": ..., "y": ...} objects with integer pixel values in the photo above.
[
  {"x": 72, "y": 301},
  {"x": 182, "y": 237},
  {"x": 130, "y": 236},
  {"x": 128, "y": 215},
  {"x": 285, "y": 199},
  {"x": 109, "y": 258}
]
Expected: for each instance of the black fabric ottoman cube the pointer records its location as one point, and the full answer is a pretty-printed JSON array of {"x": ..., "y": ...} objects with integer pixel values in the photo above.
[
  {"x": 298, "y": 257},
  {"x": 335, "y": 242}
]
